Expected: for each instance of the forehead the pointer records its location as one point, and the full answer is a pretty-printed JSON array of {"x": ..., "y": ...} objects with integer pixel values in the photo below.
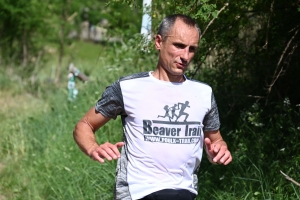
[{"x": 184, "y": 33}]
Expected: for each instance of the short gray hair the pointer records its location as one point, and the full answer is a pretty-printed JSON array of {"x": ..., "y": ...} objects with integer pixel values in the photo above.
[{"x": 168, "y": 22}]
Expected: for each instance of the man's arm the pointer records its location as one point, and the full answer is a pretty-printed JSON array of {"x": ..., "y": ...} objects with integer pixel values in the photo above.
[
  {"x": 216, "y": 148},
  {"x": 84, "y": 135}
]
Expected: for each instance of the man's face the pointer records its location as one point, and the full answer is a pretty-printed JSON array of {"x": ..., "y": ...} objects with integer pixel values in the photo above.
[{"x": 177, "y": 51}]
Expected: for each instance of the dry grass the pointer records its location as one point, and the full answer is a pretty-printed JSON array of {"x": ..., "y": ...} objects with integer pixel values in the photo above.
[
  {"x": 1, "y": 196},
  {"x": 14, "y": 106}
]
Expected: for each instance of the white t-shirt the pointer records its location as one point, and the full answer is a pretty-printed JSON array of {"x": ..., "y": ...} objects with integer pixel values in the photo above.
[{"x": 163, "y": 125}]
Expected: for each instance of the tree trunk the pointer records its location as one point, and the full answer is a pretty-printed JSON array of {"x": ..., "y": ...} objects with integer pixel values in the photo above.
[
  {"x": 61, "y": 53},
  {"x": 61, "y": 41},
  {"x": 25, "y": 49},
  {"x": 0, "y": 58}
]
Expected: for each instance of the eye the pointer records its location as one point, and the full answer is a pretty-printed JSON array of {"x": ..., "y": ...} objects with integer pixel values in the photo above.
[
  {"x": 192, "y": 49},
  {"x": 179, "y": 45}
]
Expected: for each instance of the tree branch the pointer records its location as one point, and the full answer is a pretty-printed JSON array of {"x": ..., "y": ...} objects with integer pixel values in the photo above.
[
  {"x": 290, "y": 179},
  {"x": 210, "y": 23},
  {"x": 268, "y": 27},
  {"x": 198, "y": 65},
  {"x": 277, "y": 74}
]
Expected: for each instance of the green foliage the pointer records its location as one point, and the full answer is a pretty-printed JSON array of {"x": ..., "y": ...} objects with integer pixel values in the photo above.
[
  {"x": 124, "y": 20},
  {"x": 19, "y": 21},
  {"x": 49, "y": 163},
  {"x": 26, "y": 26},
  {"x": 265, "y": 142},
  {"x": 262, "y": 130}
]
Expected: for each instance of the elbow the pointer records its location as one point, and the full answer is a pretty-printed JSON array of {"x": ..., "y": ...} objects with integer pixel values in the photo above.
[{"x": 76, "y": 133}]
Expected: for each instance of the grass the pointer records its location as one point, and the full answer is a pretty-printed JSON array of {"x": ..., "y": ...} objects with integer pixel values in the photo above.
[{"x": 39, "y": 159}]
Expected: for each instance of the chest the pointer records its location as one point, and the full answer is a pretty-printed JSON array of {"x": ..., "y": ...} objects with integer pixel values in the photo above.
[{"x": 170, "y": 103}]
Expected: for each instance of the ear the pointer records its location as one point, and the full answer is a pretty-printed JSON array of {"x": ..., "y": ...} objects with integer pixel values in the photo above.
[{"x": 158, "y": 42}]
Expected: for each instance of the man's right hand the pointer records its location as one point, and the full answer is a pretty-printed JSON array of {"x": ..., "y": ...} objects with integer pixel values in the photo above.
[{"x": 106, "y": 151}]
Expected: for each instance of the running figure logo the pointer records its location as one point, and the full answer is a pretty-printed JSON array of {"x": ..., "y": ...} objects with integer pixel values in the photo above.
[
  {"x": 174, "y": 129},
  {"x": 175, "y": 112}
]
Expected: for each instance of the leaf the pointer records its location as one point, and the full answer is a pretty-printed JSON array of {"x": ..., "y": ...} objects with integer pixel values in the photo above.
[{"x": 256, "y": 193}]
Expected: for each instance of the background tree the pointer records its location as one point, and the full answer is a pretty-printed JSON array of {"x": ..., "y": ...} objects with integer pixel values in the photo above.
[{"x": 20, "y": 21}]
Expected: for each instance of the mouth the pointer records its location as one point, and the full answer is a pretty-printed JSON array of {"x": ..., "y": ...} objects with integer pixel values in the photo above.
[{"x": 181, "y": 65}]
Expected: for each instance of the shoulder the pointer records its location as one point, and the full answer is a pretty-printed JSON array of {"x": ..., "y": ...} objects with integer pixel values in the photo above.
[
  {"x": 117, "y": 84},
  {"x": 199, "y": 83},
  {"x": 134, "y": 76}
]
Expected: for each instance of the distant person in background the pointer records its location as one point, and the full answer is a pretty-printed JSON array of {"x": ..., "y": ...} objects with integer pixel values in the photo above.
[{"x": 160, "y": 158}]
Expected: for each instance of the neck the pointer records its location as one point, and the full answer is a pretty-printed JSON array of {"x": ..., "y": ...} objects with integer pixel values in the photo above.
[{"x": 168, "y": 77}]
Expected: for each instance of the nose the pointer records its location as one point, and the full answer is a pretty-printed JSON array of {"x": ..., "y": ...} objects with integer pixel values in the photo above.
[{"x": 185, "y": 54}]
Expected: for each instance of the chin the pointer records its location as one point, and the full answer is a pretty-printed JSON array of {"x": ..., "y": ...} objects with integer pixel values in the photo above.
[{"x": 179, "y": 72}]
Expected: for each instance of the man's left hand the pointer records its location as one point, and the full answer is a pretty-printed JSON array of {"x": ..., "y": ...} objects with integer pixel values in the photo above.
[{"x": 217, "y": 152}]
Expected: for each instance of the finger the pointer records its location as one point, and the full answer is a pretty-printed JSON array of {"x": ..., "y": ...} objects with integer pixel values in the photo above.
[
  {"x": 219, "y": 153},
  {"x": 95, "y": 156},
  {"x": 110, "y": 151},
  {"x": 116, "y": 150},
  {"x": 207, "y": 144},
  {"x": 216, "y": 148},
  {"x": 226, "y": 158},
  {"x": 222, "y": 156},
  {"x": 119, "y": 144},
  {"x": 103, "y": 152}
]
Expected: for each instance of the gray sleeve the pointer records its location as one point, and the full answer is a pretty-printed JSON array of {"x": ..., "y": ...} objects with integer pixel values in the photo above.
[
  {"x": 211, "y": 120},
  {"x": 111, "y": 103}
]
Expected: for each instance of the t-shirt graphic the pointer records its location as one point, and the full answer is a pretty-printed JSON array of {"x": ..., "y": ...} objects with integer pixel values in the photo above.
[
  {"x": 169, "y": 130},
  {"x": 172, "y": 114}
]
